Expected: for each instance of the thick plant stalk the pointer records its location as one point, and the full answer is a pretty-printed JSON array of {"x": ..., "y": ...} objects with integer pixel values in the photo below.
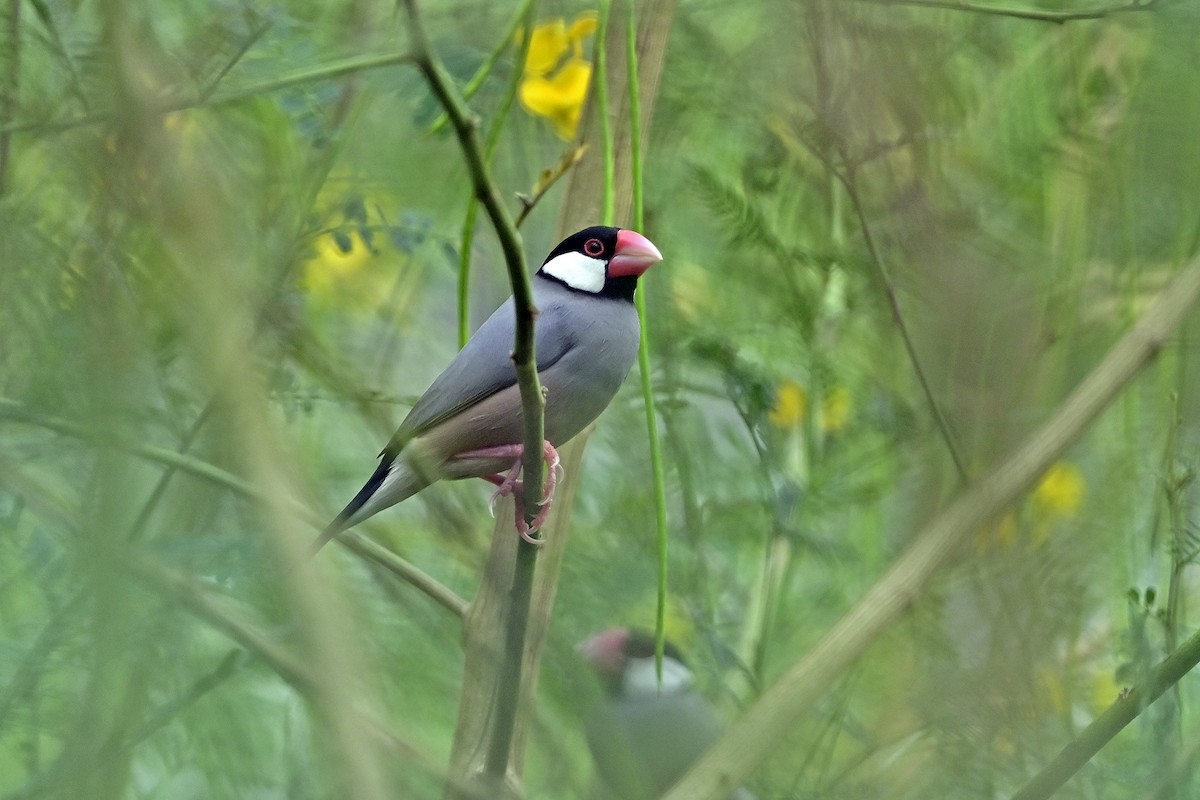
[
  {"x": 749, "y": 740},
  {"x": 580, "y": 208},
  {"x": 484, "y": 632}
]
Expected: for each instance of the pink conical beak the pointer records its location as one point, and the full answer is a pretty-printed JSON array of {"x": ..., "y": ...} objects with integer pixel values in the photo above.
[{"x": 635, "y": 253}]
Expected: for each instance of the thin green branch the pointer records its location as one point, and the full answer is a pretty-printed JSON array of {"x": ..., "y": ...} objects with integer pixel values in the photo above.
[
  {"x": 525, "y": 362},
  {"x": 200, "y": 602},
  {"x": 11, "y": 84},
  {"x": 489, "y": 150},
  {"x": 164, "y": 480},
  {"x": 404, "y": 569},
  {"x": 1105, "y": 727},
  {"x": 465, "y": 241},
  {"x": 600, "y": 76},
  {"x": 168, "y": 711},
  {"x": 749, "y": 740},
  {"x": 546, "y": 180},
  {"x": 939, "y": 417},
  {"x": 657, "y": 470},
  {"x": 1034, "y": 15},
  {"x": 472, "y": 86},
  {"x": 256, "y": 34},
  {"x": 325, "y": 72},
  {"x": 10, "y": 409}
]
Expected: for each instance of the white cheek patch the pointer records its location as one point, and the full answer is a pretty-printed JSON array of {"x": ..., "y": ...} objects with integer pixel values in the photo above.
[
  {"x": 641, "y": 678},
  {"x": 577, "y": 271}
]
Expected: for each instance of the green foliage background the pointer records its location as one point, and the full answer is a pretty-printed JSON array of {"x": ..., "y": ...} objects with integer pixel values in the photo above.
[{"x": 209, "y": 249}]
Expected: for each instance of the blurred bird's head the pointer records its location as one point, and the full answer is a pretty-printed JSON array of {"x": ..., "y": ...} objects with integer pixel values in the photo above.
[{"x": 624, "y": 661}]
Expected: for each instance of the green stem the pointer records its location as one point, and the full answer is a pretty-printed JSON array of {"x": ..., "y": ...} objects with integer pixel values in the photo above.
[
  {"x": 1033, "y": 15},
  {"x": 173, "y": 460},
  {"x": 525, "y": 361},
  {"x": 607, "y": 203},
  {"x": 752, "y": 737},
  {"x": 472, "y": 86},
  {"x": 489, "y": 150},
  {"x": 656, "y": 455},
  {"x": 464, "y": 271},
  {"x": 325, "y": 72},
  {"x": 1103, "y": 728}
]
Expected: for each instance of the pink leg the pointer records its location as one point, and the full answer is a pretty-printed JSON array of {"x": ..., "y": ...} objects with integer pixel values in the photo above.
[{"x": 508, "y": 484}]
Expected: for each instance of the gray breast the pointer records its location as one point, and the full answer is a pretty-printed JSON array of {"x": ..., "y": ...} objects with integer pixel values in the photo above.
[{"x": 604, "y": 341}]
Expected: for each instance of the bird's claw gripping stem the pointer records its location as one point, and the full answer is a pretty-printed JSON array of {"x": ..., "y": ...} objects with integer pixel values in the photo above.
[{"x": 507, "y": 484}]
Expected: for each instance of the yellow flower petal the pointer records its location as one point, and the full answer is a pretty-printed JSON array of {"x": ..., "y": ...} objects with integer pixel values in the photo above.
[
  {"x": 1060, "y": 491},
  {"x": 836, "y": 410},
  {"x": 559, "y": 98},
  {"x": 547, "y": 45},
  {"x": 1104, "y": 691},
  {"x": 583, "y": 26},
  {"x": 791, "y": 402},
  {"x": 339, "y": 258}
]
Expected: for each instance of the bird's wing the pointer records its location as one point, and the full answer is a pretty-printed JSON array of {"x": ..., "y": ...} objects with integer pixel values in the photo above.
[{"x": 482, "y": 368}]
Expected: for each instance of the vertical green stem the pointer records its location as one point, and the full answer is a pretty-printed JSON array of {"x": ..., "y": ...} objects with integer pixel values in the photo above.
[
  {"x": 606, "y": 136},
  {"x": 464, "y": 271},
  {"x": 656, "y": 454}
]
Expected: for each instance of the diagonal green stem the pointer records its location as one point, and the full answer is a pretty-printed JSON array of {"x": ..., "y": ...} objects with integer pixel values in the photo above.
[
  {"x": 489, "y": 150},
  {"x": 1103, "y": 728},
  {"x": 472, "y": 86},
  {"x": 748, "y": 741}
]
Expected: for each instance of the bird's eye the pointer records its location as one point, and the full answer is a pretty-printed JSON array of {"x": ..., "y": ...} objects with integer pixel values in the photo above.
[{"x": 593, "y": 247}]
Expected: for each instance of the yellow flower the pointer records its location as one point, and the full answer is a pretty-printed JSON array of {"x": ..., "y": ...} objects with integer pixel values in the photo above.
[
  {"x": 1060, "y": 491},
  {"x": 559, "y": 98},
  {"x": 836, "y": 410},
  {"x": 554, "y": 88},
  {"x": 1003, "y": 533},
  {"x": 791, "y": 403},
  {"x": 1104, "y": 690}
]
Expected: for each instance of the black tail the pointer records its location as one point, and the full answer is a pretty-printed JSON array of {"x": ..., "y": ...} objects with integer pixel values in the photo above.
[{"x": 342, "y": 521}]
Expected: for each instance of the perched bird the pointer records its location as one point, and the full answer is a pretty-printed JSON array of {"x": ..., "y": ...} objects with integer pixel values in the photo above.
[
  {"x": 644, "y": 736},
  {"x": 469, "y": 424}
]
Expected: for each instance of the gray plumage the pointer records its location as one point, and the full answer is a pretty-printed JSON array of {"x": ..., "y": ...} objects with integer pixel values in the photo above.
[
  {"x": 586, "y": 343},
  {"x": 643, "y": 737}
]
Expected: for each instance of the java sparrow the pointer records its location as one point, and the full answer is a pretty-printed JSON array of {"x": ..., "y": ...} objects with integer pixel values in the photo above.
[
  {"x": 644, "y": 736},
  {"x": 468, "y": 423}
]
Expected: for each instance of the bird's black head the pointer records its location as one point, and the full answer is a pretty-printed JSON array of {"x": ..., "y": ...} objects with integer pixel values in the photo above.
[{"x": 601, "y": 261}]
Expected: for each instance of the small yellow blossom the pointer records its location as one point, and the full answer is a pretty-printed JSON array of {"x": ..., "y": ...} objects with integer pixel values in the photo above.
[
  {"x": 835, "y": 411},
  {"x": 791, "y": 403},
  {"x": 556, "y": 75},
  {"x": 340, "y": 257},
  {"x": 1060, "y": 491},
  {"x": 1003, "y": 533},
  {"x": 1104, "y": 690}
]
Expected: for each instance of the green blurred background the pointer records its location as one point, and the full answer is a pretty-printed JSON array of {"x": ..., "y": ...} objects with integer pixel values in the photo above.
[{"x": 227, "y": 268}]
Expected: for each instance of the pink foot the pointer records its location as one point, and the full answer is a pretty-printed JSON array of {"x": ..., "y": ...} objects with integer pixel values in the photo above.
[{"x": 507, "y": 484}]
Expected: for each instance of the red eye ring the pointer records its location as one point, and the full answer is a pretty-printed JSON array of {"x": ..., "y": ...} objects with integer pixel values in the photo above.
[{"x": 593, "y": 247}]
